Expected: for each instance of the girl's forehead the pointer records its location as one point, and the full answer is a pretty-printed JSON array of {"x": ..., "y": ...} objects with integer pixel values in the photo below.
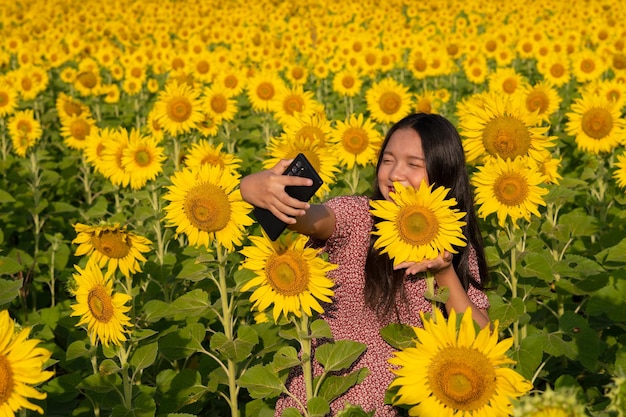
[{"x": 405, "y": 141}]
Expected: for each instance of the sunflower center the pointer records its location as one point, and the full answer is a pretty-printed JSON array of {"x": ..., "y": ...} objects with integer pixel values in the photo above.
[
  {"x": 112, "y": 243},
  {"x": 24, "y": 126},
  {"x": 219, "y": 103},
  {"x": 511, "y": 189},
  {"x": 417, "y": 225},
  {"x": 557, "y": 70},
  {"x": 100, "y": 304},
  {"x": 80, "y": 129},
  {"x": 462, "y": 378},
  {"x": 203, "y": 67},
  {"x": 509, "y": 85},
  {"x": 230, "y": 81},
  {"x": 179, "y": 109},
  {"x": 597, "y": 123},
  {"x": 419, "y": 64},
  {"x": 390, "y": 102},
  {"x": 287, "y": 274},
  {"x": 6, "y": 380},
  {"x": 72, "y": 108},
  {"x": 207, "y": 207},
  {"x": 293, "y": 104},
  {"x": 213, "y": 160},
  {"x": 265, "y": 91},
  {"x": 87, "y": 79},
  {"x": 27, "y": 84},
  {"x": 355, "y": 140},
  {"x": 507, "y": 137},
  {"x": 550, "y": 412},
  {"x": 4, "y": 99},
  {"x": 537, "y": 100},
  {"x": 587, "y": 66},
  {"x": 347, "y": 82},
  {"x": 142, "y": 158}
]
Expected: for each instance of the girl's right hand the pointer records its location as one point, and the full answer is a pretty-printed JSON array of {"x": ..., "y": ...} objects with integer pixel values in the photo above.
[{"x": 266, "y": 189}]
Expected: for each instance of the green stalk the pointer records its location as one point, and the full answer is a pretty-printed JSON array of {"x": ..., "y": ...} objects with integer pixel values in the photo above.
[
  {"x": 227, "y": 322},
  {"x": 307, "y": 368},
  {"x": 430, "y": 285}
]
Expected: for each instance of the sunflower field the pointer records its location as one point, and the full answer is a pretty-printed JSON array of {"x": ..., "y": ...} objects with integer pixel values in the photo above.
[{"x": 133, "y": 275}]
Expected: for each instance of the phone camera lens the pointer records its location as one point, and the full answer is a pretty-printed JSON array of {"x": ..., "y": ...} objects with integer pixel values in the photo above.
[{"x": 294, "y": 169}]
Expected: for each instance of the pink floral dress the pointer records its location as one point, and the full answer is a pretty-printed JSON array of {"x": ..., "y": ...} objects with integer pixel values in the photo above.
[{"x": 349, "y": 318}]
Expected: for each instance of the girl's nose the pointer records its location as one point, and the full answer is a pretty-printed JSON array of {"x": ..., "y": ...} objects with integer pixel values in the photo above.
[{"x": 396, "y": 174}]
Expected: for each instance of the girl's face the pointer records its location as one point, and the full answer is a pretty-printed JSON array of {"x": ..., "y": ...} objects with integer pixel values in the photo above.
[{"x": 402, "y": 161}]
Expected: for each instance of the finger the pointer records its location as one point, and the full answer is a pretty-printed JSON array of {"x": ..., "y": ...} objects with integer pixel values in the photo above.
[{"x": 281, "y": 166}]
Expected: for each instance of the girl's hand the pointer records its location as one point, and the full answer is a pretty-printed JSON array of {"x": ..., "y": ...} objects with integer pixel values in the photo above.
[
  {"x": 436, "y": 265},
  {"x": 266, "y": 189}
]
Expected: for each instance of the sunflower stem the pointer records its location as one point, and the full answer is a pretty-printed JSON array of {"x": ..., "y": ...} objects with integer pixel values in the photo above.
[
  {"x": 305, "y": 343},
  {"x": 227, "y": 322}
]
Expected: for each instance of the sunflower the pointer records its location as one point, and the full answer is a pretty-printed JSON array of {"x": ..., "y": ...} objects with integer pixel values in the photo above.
[
  {"x": 262, "y": 88},
  {"x": 506, "y": 81},
  {"x": 388, "y": 101},
  {"x": 75, "y": 130},
  {"x": 495, "y": 126},
  {"x": 21, "y": 363},
  {"x": 616, "y": 392},
  {"x": 142, "y": 158},
  {"x": 288, "y": 274},
  {"x": 205, "y": 152},
  {"x": 509, "y": 189},
  {"x": 596, "y": 124},
  {"x": 347, "y": 82},
  {"x": 68, "y": 107},
  {"x": 8, "y": 99},
  {"x": 98, "y": 307},
  {"x": 314, "y": 127},
  {"x": 427, "y": 102},
  {"x": 24, "y": 130},
  {"x": 112, "y": 167},
  {"x": 178, "y": 108},
  {"x": 356, "y": 141},
  {"x": 542, "y": 98},
  {"x": 561, "y": 402},
  {"x": 113, "y": 245},
  {"x": 555, "y": 69},
  {"x": 292, "y": 102},
  {"x": 452, "y": 372},
  {"x": 206, "y": 206},
  {"x": 620, "y": 173},
  {"x": 418, "y": 224},
  {"x": 587, "y": 65},
  {"x": 94, "y": 146},
  {"x": 111, "y": 93},
  {"x": 217, "y": 103}
]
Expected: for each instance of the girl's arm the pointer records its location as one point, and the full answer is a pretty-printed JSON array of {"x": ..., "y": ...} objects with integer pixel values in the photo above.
[
  {"x": 446, "y": 276},
  {"x": 266, "y": 189}
]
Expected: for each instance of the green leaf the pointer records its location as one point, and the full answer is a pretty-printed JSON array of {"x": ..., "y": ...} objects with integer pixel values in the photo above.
[
  {"x": 320, "y": 329},
  {"x": 507, "y": 312},
  {"x": 529, "y": 355},
  {"x": 143, "y": 406},
  {"x": 6, "y": 197},
  {"x": 144, "y": 356},
  {"x": 398, "y": 335},
  {"x": 553, "y": 344},
  {"x": 579, "y": 223},
  {"x": 195, "y": 303},
  {"x": 9, "y": 290},
  {"x": 100, "y": 383},
  {"x": 291, "y": 412},
  {"x": 9, "y": 266},
  {"x": 261, "y": 382},
  {"x": 616, "y": 253},
  {"x": 339, "y": 355},
  {"x": 155, "y": 310},
  {"x": 183, "y": 343},
  {"x": 193, "y": 271},
  {"x": 285, "y": 358},
  {"x": 537, "y": 265},
  {"x": 334, "y": 386},
  {"x": 75, "y": 350},
  {"x": 108, "y": 367},
  {"x": 587, "y": 340},
  {"x": 237, "y": 349},
  {"x": 317, "y": 407}
]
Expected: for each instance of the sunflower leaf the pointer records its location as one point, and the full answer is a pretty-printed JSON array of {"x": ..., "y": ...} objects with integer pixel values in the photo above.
[
  {"x": 320, "y": 329},
  {"x": 317, "y": 407},
  {"x": 261, "y": 382},
  {"x": 144, "y": 356},
  {"x": 9, "y": 290},
  {"x": 339, "y": 355},
  {"x": 398, "y": 335},
  {"x": 334, "y": 386}
]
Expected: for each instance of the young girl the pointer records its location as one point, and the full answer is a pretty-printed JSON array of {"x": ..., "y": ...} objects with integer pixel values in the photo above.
[{"x": 369, "y": 292}]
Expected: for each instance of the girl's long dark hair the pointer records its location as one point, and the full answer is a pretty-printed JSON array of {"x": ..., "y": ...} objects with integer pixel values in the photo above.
[{"x": 445, "y": 166}]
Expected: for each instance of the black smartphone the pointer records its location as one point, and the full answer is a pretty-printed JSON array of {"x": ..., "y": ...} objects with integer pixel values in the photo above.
[{"x": 301, "y": 167}]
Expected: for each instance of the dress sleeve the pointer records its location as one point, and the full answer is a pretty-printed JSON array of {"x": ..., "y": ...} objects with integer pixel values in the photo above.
[{"x": 478, "y": 297}]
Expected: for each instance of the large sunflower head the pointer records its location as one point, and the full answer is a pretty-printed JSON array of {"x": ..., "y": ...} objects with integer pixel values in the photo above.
[
  {"x": 495, "y": 126},
  {"x": 418, "y": 224},
  {"x": 511, "y": 189},
  {"x": 288, "y": 274},
  {"x": 596, "y": 124},
  {"x": 204, "y": 152},
  {"x": 102, "y": 310},
  {"x": 452, "y": 372},
  {"x": 21, "y": 363},
  {"x": 178, "y": 108},
  {"x": 113, "y": 245},
  {"x": 388, "y": 101},
  {"x": 356, "y": 141},
  {"x": 142, "y": 159},
  {"x": 206, "y": 205}
]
